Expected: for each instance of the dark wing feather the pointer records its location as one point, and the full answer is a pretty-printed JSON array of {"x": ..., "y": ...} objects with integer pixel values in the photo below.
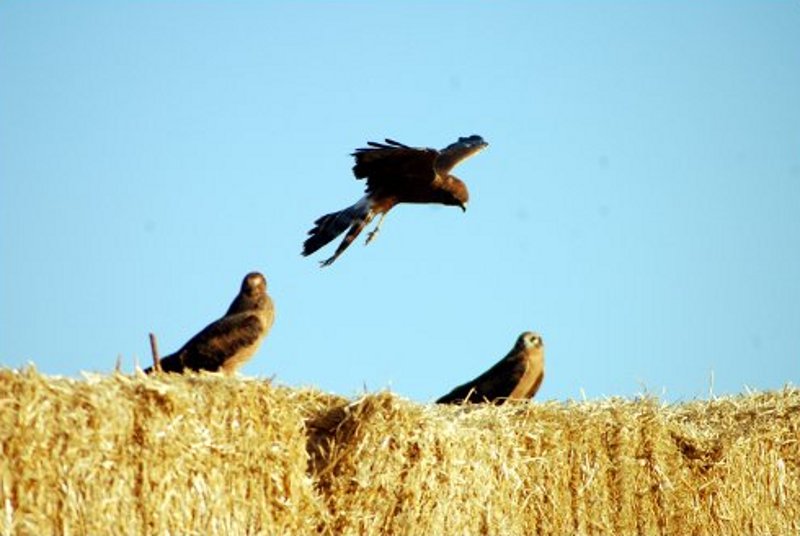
[
  {"x": 383, "y": 164},
  {"x": 170, "y": 363},
  {"x": 458, "y": 394},
  {"x": 215, "y": 344},
  {"x": 396, "y": 143},
  {"x": 494, "y": 385},
  {"x": 390, "y": 144}
]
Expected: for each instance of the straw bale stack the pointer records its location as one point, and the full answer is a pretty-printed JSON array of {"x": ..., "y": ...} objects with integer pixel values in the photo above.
[
  {"x": 132, "y": 455},
  {"x": 205, "y": 454},
  {"x": 729, "y": 466}
]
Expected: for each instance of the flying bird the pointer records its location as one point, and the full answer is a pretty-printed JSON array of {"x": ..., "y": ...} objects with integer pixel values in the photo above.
[
  {"x": 395, "y": 174},
  {"x": 228, "y": 343},
  {"x": 517, "y": 376}
]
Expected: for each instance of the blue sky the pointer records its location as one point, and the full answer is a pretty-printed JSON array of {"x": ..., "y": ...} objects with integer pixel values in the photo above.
[{"x": 639, "y": 204}]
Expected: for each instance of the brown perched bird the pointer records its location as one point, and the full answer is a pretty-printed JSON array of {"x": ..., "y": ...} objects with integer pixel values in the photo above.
[
  {"x": 395, "y": 173},
  {"x": 228, "y": 343},
  {"x": 517, "y": 376}
]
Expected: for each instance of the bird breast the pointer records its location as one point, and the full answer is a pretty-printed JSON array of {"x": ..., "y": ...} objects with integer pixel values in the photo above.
[
  {"x": 534, "y": 367},
  {"x": 265, "y": 316}
]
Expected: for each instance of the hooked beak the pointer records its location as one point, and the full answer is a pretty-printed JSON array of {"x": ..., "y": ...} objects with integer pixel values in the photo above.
[{"x": 463, "y": 207}]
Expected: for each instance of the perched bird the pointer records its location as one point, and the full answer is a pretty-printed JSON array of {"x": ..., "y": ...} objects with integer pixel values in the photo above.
[
  {"x": 228, "y": 343},
  {"x": 395, "y": 173},
  {"x": 517, "y": 376}
]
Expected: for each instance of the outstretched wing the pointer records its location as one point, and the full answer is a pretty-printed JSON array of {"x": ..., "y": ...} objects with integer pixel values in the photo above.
[
  {"x": 457, "y": 152},
  {"x": 384, "y": 164},
  {"x": 217, "y": 343},
  {"x": 494, "y": 385}
]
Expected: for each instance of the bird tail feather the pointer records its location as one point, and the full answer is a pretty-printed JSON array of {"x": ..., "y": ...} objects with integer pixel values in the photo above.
[
  {"x": 329, "y": 226},
  {"x": 170, "y": 363}
]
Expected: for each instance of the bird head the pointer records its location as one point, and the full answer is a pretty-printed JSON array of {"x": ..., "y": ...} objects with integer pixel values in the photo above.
[
  {"x": 530, "y": 340},
  {"x": 252, "y": 296},
  {"x": 254, "y": 284},
  {"x": 454, "y": 193}
]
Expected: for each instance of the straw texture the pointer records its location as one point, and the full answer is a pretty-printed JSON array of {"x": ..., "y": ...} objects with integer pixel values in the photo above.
[{"x": 205, "y": 454}]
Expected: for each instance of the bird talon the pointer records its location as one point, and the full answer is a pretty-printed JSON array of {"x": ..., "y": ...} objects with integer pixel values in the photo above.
[
  {"x": 371, "y": 236},
  {"x": 327, "y": 262}
]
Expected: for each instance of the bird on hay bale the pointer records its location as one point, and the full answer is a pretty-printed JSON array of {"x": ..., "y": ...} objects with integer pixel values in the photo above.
[
  {"x": 228, "y": 343},
  {"x": 395, "y": 174},
  {"x": 517, "y": 376}
]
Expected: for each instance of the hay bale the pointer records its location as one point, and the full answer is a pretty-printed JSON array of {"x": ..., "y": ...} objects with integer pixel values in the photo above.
[
  {"x": 613, "y": 467},
  {"x": 122, "y": 455},
  {"x": 211, "y": 454}
]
